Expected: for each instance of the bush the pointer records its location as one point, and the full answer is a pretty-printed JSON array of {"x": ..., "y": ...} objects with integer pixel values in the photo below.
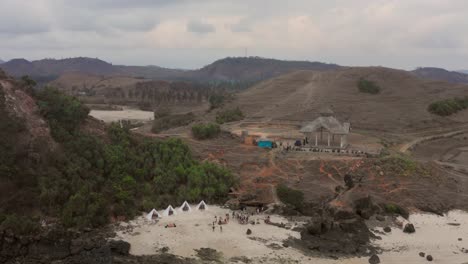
[
  {"x": 28, "y": 81},
  {"x": 19, "y": 225},
  {"x": 172, "y": 121},
  {"x": 448, "y": 107},
  {"x": 216, "y": 101},
  {"x": 366, "y": 86},
  {"x": 64, "y": 113},
  {"x": 205, "y": 131},
  {"x": 396, "y": 209},
  {"x": 161, "y": 112},
  {"x": 400, "y": 164},
  {"x": 229, "y": 116},
  {"x": 290, "y": 196}
]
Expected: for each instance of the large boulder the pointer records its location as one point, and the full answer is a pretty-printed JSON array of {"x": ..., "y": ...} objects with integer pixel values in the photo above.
[
  {"x": 374, "y": 259},
  {"x": 365, "y": 207},
  {"x": 319, "y": 225},
  {"x": 409, "y": 228},
  {"x": 119, "y": 247}
]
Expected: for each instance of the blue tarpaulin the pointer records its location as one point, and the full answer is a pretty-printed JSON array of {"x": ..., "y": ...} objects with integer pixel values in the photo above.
[{"x": 265, "y": 144}]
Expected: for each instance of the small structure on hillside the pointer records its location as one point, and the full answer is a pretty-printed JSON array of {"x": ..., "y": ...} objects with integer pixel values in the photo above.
[
  {"x": 326, "y": 131},
  {"x": 153, "y": 215},
  {"x": 185, "y": 207},
  {"x": 169, "y": 211}
]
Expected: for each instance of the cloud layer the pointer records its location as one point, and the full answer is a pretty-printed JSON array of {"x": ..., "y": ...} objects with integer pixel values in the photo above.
[{"x": 191, "y": 33}]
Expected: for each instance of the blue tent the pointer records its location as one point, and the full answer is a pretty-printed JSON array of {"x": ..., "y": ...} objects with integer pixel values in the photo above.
[{"x": 265, "y": 143}]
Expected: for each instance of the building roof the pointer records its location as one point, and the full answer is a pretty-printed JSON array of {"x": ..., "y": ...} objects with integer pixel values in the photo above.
[{"x": 329, "y": 123}]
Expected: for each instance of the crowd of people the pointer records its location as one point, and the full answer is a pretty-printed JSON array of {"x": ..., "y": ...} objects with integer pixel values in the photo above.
[{"x": 243, "y": 217}]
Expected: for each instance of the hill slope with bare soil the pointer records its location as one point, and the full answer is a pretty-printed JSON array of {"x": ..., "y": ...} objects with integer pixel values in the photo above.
[
  {"x": 401, "y": 104},
  {"x": 439, "y": 74}
]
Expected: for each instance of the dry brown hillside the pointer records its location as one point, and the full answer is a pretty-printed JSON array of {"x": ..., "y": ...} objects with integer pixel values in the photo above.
[{"x": 401, "y": 105}]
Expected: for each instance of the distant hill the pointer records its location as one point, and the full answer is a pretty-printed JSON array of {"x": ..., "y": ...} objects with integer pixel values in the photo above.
[
  {"x": 439, "y": 74},
  {"x": 255, "y": 68},
  {"x": 1, "y": 61},
  {"x": 228, "y": 69},
  {"x": 463, "y": 71},
  {"x": 401, "y": 104}
]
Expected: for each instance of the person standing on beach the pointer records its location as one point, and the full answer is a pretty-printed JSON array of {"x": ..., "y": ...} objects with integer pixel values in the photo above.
[
  {"x": 221, "y": 228},
  {"x": 213, "y": 228}
]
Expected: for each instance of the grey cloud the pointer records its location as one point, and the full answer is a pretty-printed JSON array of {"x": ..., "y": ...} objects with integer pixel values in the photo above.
[
  {"x": 242, "y": 26},
  {"x": 385, "y": 35},
  {"x": 200, "y": 27},
  {"x": 119, "y": 4},
  {"x": 9, "y": 27}
]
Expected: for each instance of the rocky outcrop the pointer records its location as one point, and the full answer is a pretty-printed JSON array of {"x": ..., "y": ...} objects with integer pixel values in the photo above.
[
  {"x": 61, "y": 246},
  {"x": 409, "y": 228},
  {"x": 374, "y": 259},
  {"x": 58, "y": 244},
  {"x": 344, "y": 236}
]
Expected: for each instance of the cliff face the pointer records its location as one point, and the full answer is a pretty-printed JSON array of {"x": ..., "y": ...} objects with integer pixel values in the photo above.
[{"x": 25, "y": 142}]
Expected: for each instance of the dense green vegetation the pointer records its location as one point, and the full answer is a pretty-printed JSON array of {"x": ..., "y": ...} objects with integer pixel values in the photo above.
[
  {"x": 20, "y": 225},
  {"x": 172, "y": 121},
  {"x": 90, "y": 178},
  {"x": 64, "y": 113},
  {"x": 229, "y": 115},
  {"x": 290, "y": 196},
  {"x": 448, "y": 106},
  {"x": 205, "y": 131},
  {"x": 366, "y": 86}
]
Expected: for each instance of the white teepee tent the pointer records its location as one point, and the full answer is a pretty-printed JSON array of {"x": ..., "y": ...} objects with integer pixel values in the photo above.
[
  {"x": 202, "y": 206},
  {"x": 185, "y": 207},
  {"x": 169, "y": 211},
  {"x": 152, "y": 214}
]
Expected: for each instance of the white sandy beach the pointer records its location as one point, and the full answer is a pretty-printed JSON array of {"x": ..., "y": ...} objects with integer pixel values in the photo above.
[{"x": 194, "y": 231}]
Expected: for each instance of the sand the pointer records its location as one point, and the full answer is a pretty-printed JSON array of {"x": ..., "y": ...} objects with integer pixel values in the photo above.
[
  {"x": 434, "y": 235},
  {"x": 194, "y": 231},
  {"x": 126, "y": 114}
]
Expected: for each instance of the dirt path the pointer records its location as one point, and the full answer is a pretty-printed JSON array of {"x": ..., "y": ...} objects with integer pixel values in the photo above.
[{"x": 409, "y": 145}]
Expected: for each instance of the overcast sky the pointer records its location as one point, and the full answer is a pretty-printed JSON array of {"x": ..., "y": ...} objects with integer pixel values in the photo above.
[{"x": 192, "y": 33}]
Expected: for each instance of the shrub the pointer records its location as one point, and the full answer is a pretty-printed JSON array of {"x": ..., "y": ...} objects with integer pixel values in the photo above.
[
  {"x": 229, "y": 116},
  {"x": 161, "y": 112},
  {"x": 448, "y": 107},
  {"x": 19, "y": 224},
  {"x": 64, "y": 113},
  {"x": 216, "y": 101},
  {"x": 396, "y": 209},
  {"x": 28, "y": 81},
  {"x": 290, "y": 196},
  {"x": 205, "y": 131},
  {"x": 400, "y": 164},
  {"x": 172, "y": 121},
  {"x": 366, "y": 86}
]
